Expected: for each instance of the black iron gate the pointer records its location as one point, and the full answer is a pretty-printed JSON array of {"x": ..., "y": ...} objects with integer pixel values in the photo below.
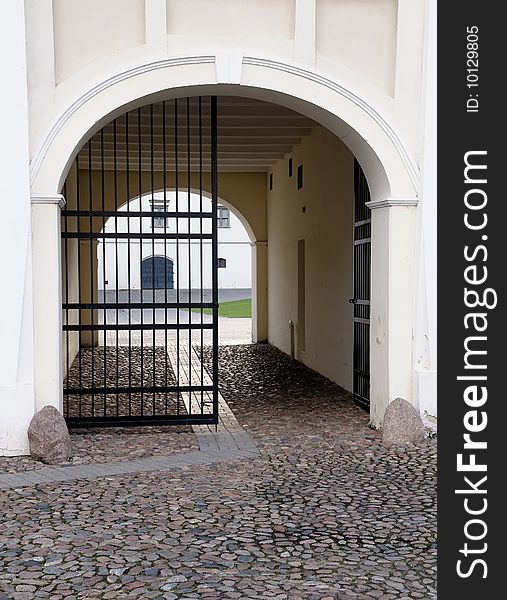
[
  {"x": 362, "y": 277},
  {"x": 144, "y": 185}
]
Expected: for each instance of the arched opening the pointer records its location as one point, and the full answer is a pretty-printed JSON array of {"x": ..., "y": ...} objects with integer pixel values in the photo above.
[
  {"x": 127, "y": 267},
  {"x": 391, "y": 177}
]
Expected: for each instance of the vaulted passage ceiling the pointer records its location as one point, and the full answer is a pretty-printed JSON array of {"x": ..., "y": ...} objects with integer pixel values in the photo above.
[{"x": 252, "y": 135}]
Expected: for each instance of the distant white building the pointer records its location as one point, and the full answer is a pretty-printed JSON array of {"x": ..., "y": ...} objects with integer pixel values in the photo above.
[{"x": 161, "y": 263}]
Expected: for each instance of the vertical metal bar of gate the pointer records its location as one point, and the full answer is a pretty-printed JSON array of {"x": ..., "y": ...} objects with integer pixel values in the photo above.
[
  {"x": 177, "y": 178},
  {"x": 201, "y": 254},
  {"x": 105, "y": 383},
  {"x": 362, "y": 283},
  {"x": 164, "y": 181},
  {"x": 214, "y": 242},
  {"x": 189, "y": 249},
  {"x": 153, "y": 291}
]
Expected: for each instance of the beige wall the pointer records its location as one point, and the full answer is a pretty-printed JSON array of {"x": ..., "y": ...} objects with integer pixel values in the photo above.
[
  {"x": 368, "y": 47},
  {"x": 326, "y": 226},
  {"x": 84, "y": 31},
  {"x": 232, "y": 18},
  {"x": 70, "y": 293}
]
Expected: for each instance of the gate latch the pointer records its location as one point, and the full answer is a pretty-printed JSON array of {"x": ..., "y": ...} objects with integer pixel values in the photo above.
[{"x": 353, "y": 300}]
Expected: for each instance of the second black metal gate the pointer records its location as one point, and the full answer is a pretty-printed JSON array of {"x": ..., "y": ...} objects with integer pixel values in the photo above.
[
  {"x": 362, "y": 282},
  {"x": 146, "y": 185}
]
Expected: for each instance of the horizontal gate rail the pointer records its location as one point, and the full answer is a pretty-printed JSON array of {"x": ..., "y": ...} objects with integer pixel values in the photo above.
[
  {"x": 133, "y": 213},
  {"x": 138, "y": 326},
  {"x": 133, "y": 421},
  {"x": 145, "y": 388},
  {"x": 133, "y": 305},
  {"x": 135, "y": 235}
]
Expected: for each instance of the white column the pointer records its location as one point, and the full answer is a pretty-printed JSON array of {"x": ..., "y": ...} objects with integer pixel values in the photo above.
[
  {"x": 40, "y": 54},
  {"x": 425, "y": 351},
  {"x": 392, "y": 303},
  {"x": 409, "y": 49},
  {"x": 46, "y": 239},
  {"x": 16, "y": 316},
  {"x": 304, "y": 32},
  {"x": 156, "y": 23},
  {"x": 259, "y": 291}
]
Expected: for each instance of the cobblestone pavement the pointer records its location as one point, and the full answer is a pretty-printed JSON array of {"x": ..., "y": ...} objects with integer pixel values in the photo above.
[
  {"x": 120, "y": 367},
  {"x": 324, "y": 513}
]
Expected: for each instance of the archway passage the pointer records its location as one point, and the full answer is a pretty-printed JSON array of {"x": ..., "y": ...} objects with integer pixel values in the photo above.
[
  {"x": 148, "y": 176},
  {"x": 157, "y": 273},
  {"x": 136, "y": 320}
]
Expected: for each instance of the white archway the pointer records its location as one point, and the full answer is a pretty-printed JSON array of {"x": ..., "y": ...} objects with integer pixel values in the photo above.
[
  {"x": 390, "y": 169},
  {"x": 245, "y": 233},
  {"x": 385, "y": 159}
]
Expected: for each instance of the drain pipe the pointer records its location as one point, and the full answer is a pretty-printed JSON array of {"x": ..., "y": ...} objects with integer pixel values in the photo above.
[{"x": 291, "y": 335}]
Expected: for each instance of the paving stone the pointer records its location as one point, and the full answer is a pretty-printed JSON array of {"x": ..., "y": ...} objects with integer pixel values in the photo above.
[{"x": 324, "y": 511}]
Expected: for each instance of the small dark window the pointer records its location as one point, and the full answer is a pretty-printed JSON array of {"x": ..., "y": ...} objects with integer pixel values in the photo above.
[
  {"x": 158, "y": 222},
  {"x": 222, "y": 263},
  {"x": 290, "y": 167},
  {"x": 271, "y": 181},
  {"x": 300, "y": 176},
  {"x": 224, "y": 217}
]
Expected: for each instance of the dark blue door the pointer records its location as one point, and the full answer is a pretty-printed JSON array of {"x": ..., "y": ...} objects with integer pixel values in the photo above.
[{"x": 157, "y": 273}]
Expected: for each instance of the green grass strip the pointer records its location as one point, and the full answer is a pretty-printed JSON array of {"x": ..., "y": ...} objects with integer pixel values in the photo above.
[{"x": 238, "y": 309}]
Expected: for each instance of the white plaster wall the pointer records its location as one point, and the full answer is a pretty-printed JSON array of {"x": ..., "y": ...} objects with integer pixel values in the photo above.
[
  {"x": 326, "y": 227},
  {"x": 425, "y": 343},
  {"x": 231, "y": 18},
  {"x": 16, "y": 314},
  {"x": 360, "y": 35},
  {"x": 84, "y": 31},
  {"x": 47, "y": 304}
]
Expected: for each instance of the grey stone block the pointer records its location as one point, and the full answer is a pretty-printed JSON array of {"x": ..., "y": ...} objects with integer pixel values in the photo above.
[
  {"x": 402, "y": 424},
  {"x": 48, "y": 437}
]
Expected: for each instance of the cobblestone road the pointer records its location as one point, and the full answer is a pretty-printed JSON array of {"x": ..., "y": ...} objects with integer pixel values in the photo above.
[{"x": 325, "y": 512}]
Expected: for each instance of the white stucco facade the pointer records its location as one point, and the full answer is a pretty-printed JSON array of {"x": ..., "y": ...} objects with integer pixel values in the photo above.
[
  {"x": 365, "y": 72},
  {"x": 123, "y": 258}
]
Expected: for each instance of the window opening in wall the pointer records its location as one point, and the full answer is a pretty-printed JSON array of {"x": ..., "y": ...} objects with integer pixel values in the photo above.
[
  {"x": 158, "y": 207},
  {"x": 300, "y": 177},
  {"x": 290, "y": 167},
  {"x": 271, "y": 181},
  {"x": 301, "y": 324},
  {"x": 224, "y": 217}
]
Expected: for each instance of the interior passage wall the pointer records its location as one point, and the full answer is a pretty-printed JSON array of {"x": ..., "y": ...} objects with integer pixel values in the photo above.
[
  {"x": 244, "y": 192},
  {"x": 320, "y": 213}
]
